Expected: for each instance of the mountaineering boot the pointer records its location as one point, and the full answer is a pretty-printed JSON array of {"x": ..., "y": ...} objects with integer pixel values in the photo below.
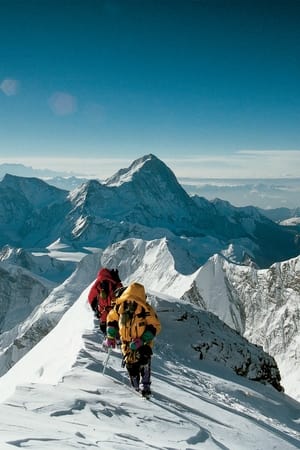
[
  {"x": 135, "y": 382},
  {"x": 146, "y": 392},
  {"x": 146, "y": 378}
]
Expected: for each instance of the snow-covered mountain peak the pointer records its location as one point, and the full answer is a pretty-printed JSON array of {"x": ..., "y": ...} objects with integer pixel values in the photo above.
[
  {"x": 36, "y": 191},
  {"x": 127, "y": 174},
  {"x": 152, "y": 178},
  {"x": 147, "y": 193}
]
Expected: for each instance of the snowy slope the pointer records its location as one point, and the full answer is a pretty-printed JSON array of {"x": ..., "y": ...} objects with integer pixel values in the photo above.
[
  {"x": 21, "y": 291},
  {"x": 263, "y": 305},
  {"x": 17, "y": 341},
  {"x": 26, "y": 321},
  {"x": 218, "y": 286},
  {"x": 31, "y": 211},
  {"x": 294, "y": 221},
  {"x": 43, "y": 265},
  {"x": 63, "y": 400}
]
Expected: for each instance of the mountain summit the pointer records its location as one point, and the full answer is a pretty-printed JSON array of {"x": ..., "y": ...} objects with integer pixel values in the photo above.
[
  {"x": 148, "y": 165},
  {"x": 155, "y": 198}
]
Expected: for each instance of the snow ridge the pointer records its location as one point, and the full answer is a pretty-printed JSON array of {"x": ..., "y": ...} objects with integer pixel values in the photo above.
[{"x": 61, "y": 387}]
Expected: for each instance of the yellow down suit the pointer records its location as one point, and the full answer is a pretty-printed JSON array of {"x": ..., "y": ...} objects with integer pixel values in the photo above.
[{"x": 132, "y": 316}]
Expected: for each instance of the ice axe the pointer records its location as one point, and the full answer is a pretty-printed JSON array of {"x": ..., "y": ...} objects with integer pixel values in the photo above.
[{"x": 106, "y": 360}]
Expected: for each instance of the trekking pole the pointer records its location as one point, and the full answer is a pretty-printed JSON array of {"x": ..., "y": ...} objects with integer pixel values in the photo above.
[{"x": 106, "y": 360}]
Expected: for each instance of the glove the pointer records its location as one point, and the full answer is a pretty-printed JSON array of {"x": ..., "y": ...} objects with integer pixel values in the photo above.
[
  {"x": 111, "y": 332},
  {"x": 135, "y": 344},
  {"x": 147, "y": 336},
  {"x": 109, "y": 343}
]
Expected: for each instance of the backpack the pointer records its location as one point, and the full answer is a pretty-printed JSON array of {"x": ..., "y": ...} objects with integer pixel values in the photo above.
[{"x": 102, "y": 294}]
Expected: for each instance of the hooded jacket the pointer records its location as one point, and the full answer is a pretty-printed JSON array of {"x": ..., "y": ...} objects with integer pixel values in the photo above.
[
  {"x": 132, "y": 315},
  {"x": 102, "y": 300}
]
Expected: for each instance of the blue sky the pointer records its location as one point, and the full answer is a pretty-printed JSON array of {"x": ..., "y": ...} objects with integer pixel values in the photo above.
[{"x": 212, "y": 87}]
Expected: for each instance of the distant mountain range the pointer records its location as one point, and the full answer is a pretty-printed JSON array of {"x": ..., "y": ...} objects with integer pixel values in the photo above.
[
  {"x": 281, "y": 214},
  {"x": 27, "y": 171},
  {"x": 144, "y": 201},
  {"x": 266, "y": 193},
  {"x": 269, "y": 195}
]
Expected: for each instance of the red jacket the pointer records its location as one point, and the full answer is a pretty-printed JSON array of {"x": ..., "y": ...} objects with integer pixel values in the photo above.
[{"x": 101, "y": 295}]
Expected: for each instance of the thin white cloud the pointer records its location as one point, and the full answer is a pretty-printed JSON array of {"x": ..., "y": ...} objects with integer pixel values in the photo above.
[
  {"x": 242, "y": 164},
  {"x": 277, "y": 152},
  {"x": 10, "y": 86}
]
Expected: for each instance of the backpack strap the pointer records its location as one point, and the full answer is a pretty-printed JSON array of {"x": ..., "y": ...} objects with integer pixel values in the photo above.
[{"x": 143, "y": 314}]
